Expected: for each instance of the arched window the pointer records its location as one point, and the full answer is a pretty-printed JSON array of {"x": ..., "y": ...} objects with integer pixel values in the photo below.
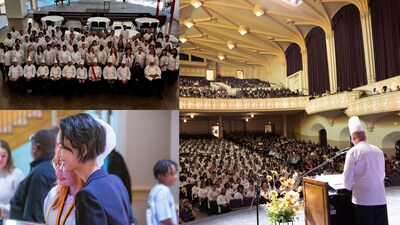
[{"x": 323, "y": 138}]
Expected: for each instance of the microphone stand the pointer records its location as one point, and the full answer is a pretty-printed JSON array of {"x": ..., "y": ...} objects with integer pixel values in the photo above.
[
  {"x": 258, "y": 187},
  {"x": 337, "y": 154}
]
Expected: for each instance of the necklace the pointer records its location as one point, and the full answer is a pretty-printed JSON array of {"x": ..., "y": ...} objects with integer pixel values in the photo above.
[{"x": 60, "y": 209}]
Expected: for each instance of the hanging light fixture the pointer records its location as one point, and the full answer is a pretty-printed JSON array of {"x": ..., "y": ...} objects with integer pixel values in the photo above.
[
  {"x": 183, "y": 38},
  {"x": 230, "y": 44},
  {"x": 252, "y": 115},
  {"x": 247, "y": 120},
  {"x": 192, "y": 116},
  {"x": 184, "y": 120},
  {"x": 258, "y": 10},
  {"x": 242, "y": 30},
  {"x": 196, "y": 3},
  {"x": 188, "y": 23},
  {"x": 221, "y": 56}
]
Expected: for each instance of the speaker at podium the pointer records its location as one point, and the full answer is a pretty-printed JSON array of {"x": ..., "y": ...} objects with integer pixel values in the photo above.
[{"x": 327, "y": 202}]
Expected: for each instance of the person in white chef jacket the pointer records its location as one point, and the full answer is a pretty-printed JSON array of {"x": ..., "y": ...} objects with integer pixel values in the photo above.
[
  {"x": 55, "y": 77},
  {"x": 124, "y": 76},
  {"x": 15, "y": 73},
  {"x": 153, "y": 74},
  {"x": 95, "y": 74},
  {"x": 29, "y": 76},
  {"x": 42, "y": 81},
  {"x": 69, "y": 75},
  {"x": 81, "y": 76},
  {"x": 110, "y": 76},
  {"x": 364, "y": 174}
]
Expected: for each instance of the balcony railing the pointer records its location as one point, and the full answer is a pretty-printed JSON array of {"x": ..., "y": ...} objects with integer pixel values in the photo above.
[
  {"x": 226, "y": 104},
  {"x": 331, "y": 102}
]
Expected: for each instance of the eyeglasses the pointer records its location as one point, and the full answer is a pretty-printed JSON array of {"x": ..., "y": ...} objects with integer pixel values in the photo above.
[{"x": 4, "y": 155}]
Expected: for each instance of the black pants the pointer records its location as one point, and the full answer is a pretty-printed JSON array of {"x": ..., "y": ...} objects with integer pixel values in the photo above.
[
  {"x": 155, "y": 86},
  {"x": 371, "y": 215},
  {"x": 2, "y": 70}
]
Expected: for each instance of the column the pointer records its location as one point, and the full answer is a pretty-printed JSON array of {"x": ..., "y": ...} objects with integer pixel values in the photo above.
[
  {"x": 304, "y": 75},
  {"x": 366, "y": 27},
  {"x": 54, "y": 119},
  {"x": 330, "y": 51},
  {"x": 15, "y": 9}
]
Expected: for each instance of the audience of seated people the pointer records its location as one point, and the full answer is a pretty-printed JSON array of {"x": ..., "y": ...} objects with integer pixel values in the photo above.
[
  {"x": 128, "y": 55},
  {"x": 220, "y": 174},
  {"x": 267, "y": 93},
  {"x": 202, "y": 92},
  {"x": 243, "y": 83}
]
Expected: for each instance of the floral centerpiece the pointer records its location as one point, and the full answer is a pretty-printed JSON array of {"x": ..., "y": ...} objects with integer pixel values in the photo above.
[{"x": 284, "y": 202}]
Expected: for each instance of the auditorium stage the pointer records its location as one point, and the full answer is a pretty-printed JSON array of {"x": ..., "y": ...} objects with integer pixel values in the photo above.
[{"x": 248, "y": 217}]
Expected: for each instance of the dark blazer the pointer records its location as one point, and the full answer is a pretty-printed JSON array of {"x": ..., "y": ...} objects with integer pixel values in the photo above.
[
  {"x": 103, "y": 200},
  {"x": 27, "y": 203}
]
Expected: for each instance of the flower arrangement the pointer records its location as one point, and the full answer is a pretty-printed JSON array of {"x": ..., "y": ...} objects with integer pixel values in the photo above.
[{"x": 284, "y": 202}]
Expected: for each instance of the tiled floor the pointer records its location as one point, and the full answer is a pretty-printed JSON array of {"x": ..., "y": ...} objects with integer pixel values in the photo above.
[{"x": 248, "y": 216}]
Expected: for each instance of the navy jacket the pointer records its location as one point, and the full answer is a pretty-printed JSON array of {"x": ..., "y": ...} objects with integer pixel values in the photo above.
[
  {"x": 27, "y": 203},
  {"x": 103, "y": 200}
]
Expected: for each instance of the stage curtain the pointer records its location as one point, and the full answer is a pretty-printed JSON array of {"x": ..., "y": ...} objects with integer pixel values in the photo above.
[
  {"x": 318, "y": 73},
  {"x": 294, "y": 61},
  {"x": 350, "y": 60},
  {"x": 385, "y": 17}
]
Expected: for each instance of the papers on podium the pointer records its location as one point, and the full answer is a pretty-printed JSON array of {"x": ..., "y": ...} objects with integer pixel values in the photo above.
[{"x": 335, "y": 181}]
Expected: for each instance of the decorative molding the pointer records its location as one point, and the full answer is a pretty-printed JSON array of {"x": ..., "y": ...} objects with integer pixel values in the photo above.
[
  {"x": 331, "y": 102},
  {"x": 387, "y": 102},
  {"x": 265, "y": 104}
]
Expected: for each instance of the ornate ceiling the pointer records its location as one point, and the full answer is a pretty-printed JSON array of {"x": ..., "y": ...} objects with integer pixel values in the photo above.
[{"x": 268, "y": 27}]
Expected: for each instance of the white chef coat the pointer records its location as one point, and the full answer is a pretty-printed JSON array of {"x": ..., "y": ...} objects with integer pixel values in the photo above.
[
  {"x": 69, "y": 71},
  {"x": 364, "y": 173},
  {"x": 124, "y": 73},
  {"x": 29, "y": 71},
  {"x": 110, "y": 73}
]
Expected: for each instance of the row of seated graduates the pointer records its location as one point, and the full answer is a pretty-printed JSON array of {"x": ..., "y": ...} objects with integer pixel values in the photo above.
[{"x": 191, "y": 179}]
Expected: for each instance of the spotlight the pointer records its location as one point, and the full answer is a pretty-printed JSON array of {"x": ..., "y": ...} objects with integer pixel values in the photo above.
[
  {"x": 188, "y": 23},
  {"x": 196, "y": 3},
  {"x": 221, "y": 56},
  {"x": 258, "y": 10},
  {"x": 192, "y": 116},
  {"x": 247, "y": 120},
  {"x": 184, "y": 120},
  {"x": 183, "y": 38},
  {"x": 231, "y": 44},
  {"x": 242, "y": 30},
  {"x": 252, "y": 115}
]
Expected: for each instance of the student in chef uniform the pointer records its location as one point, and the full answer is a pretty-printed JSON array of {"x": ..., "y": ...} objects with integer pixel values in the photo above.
[
  {"x": 55, "y": 77},
  {"x": 69, "y": 75},
  {"x": 110, "y": 76},
  {"x": 29, "y": 76},
  {"x": 95, "y": 77},
  {"x": 124, "y": 76},
  {"x": 42, "y": 81},
  {"x": 15, "y": 73},
  {"x": 81, "y": 76}
]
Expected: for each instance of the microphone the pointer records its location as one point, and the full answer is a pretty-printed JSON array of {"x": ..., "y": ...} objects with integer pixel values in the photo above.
[{"x": 343, "y": 151}]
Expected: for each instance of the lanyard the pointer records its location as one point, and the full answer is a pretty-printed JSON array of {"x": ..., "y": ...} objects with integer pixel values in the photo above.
[{"x": 60, "y": 209}]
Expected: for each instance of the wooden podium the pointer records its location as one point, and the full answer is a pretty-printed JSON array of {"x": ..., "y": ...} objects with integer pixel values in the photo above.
[{"x": 324, "y": 205}]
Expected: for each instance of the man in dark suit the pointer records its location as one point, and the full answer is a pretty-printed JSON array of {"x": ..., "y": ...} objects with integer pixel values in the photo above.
[{"x": 27, "y": 203}]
